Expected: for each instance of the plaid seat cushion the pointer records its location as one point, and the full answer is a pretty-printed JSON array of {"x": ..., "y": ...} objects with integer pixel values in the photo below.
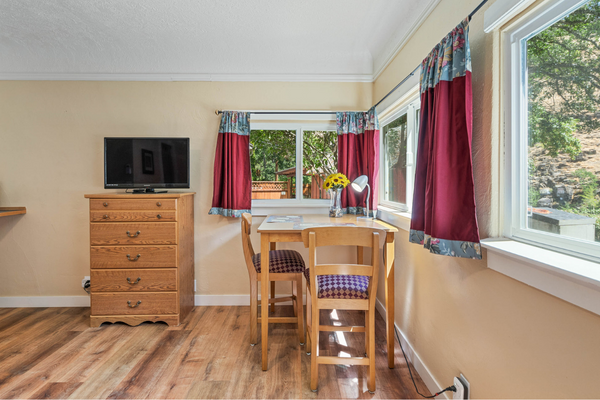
[
  {"x": 281, "y": 261},
  {"x": 341, "y": 286}
]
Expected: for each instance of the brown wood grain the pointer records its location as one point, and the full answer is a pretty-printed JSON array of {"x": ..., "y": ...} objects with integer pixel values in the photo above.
[
  {"x": 116, "y": 303},
  {"x": 133, "y": 216},
  {"x": 208, "y": 356},
  {"x": 140, "y": 280},
  {"x": 7, "y": 211},
  {"x": 150, "y": 257},
  {"x": 121, "y": 202},
  {"x": 151, "y": 233},
  {"x": 186, "y": 255}
]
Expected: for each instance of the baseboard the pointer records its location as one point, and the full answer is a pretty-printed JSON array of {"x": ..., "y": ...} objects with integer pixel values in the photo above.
[
  {"x": 45, "y": 301},
  {"x": 427, "y": 377},
  {"x": 84, "y": 301}
]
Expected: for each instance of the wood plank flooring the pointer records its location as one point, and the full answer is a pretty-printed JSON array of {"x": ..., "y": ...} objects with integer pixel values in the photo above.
[{"x": 53, "y": 353}]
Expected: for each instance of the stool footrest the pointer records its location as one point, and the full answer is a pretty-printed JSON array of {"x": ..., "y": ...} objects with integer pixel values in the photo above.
[
  {"x": 281, "y": 320},
  {"x": 343, "y": 360},
  {"x": 334, "y": 328}
]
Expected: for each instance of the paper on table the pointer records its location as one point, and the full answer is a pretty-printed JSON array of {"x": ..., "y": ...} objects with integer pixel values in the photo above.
[{"x": 284, "y": 218}]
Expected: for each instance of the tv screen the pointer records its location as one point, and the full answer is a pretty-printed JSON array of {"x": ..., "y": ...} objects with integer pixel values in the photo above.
[{"x": 146, "y": 163}]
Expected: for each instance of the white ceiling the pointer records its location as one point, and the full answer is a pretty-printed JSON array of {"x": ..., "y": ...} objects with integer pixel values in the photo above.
[{"x": 323, "y": 39}]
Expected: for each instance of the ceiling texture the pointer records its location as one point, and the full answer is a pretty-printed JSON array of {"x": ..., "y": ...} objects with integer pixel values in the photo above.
[{"x": 336, "y": 40}]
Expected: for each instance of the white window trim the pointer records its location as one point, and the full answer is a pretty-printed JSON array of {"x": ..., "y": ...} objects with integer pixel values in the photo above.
[
  {"x": 408, "y": 106},
  {"x": 515, "y": 109},
  {"x": 300, "y": 205}
]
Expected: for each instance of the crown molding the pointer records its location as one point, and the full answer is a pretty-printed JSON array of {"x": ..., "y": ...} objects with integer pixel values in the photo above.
[
  {"x": 163, "y": 77},
  {"x": 378, "y": 69}
]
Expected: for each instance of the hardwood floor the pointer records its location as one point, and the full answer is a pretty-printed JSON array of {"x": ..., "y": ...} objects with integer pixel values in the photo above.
[{"x": 53, "y": 353}]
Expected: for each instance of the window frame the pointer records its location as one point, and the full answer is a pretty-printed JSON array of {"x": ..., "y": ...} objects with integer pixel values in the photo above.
[
  {"x": 262, "y": 205},
  {"x": 516, "y": 133},
  {"x": 409, "y": 107}
]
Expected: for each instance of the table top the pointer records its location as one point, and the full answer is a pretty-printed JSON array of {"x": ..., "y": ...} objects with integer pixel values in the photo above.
[{"x": 299, "y": 222}]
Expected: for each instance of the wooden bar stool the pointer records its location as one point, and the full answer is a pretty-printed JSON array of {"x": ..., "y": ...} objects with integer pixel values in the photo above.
[
  {"x": 341, "y": 287},
  {"x": 284, "y": 265}
]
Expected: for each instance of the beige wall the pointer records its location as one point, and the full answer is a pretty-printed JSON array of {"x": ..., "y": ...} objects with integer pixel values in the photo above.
[
  {"x": 51, "y": 154},
  {"x": 507, "y": 338}
]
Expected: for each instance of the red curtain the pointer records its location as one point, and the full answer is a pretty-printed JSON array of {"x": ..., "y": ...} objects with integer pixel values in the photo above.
[
  {"x": 358, "y": 154},
  {"x": 443, "y": 214},
  {"x": 232, "y": 193}
]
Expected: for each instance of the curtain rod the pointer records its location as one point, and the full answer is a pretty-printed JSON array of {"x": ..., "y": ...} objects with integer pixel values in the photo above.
[
  {"x": 415, "y": 70},
  {"x": 217, "y": 112}
]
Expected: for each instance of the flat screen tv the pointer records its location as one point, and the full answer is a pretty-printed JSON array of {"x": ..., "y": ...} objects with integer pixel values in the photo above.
[{"x": 146, "y": 163}]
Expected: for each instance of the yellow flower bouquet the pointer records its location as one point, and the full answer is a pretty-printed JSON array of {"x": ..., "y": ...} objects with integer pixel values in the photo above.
[
  {"x": 334, "y": 185},
  {"x": 336, "y": 181}
]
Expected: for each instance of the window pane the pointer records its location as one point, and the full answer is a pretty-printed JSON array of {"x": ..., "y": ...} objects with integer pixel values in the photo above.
[
  {"x": 395, "y": 139},
  {"x": 319, "y": 153},
  {"x": 273, "y": 164},
  {"x": 563, "y": 78}
]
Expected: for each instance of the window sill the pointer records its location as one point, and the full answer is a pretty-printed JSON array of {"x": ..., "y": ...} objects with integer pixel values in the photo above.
[
  {"x": 400, "y": 219},
  {"x": 569, "y": 278}
]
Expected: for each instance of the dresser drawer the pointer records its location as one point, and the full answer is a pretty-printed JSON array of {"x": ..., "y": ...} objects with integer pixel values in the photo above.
[
  {"x": 133, "y": 280},
  {"x": 139, "y": 303},
  {"x": 133, "y": 204},
  {"x": 133, "y": 257},
  {"x": 140, "y": 233},
  {"x": 130, "y": 216}
]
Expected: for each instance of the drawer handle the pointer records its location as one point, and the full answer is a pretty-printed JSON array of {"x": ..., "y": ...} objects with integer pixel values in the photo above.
[
  {"x": 105, "y": 204},
  {"x": 137, "y": 304},
  {"x": 135, "y": 259},
  {"x": 105, "y": 216},
  {"x": 159, "y": 216},
  {"x": 136, "y": 234},
  {"x": 133, "y": 283},
  {"x": 158, "y": 203}
]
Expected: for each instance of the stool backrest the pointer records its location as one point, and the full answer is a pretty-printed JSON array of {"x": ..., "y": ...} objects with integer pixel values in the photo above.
[{"x": 344, "y": 236}]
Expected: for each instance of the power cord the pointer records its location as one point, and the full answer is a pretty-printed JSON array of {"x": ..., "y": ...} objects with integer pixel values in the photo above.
[{"x": 451, "y": 388}]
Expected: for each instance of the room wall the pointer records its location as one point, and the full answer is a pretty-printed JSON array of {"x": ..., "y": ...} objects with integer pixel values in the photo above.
[
  {"x": 51, "y": 154},
  {"x": 509, "y": 339}
]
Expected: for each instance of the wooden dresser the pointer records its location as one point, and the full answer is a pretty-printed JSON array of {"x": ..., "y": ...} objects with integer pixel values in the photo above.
[{"x": 141, "y": 257}]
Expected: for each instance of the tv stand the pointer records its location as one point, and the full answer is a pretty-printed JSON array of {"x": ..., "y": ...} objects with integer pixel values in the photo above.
[{"x": 148, "y": 190}]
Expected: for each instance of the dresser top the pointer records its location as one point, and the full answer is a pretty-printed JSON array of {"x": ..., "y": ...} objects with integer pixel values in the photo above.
[{"x": 138, "y": 196}]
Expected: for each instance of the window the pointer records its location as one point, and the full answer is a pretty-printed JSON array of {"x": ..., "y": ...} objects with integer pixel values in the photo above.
[
  {"x": 276, "y": 152},
  {"x": 553, "y": 128},
  {"x": 398, "y": 155}
]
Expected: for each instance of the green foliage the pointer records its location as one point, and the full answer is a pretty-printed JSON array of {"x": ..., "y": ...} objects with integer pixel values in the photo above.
[
  {"x": 564, "y": 80},
  {"x": 271, "y": 151},
  {"x": 533, "y": 194},
  {"x": 275, "y": 150},
  {"x": 587, "y": 181}
]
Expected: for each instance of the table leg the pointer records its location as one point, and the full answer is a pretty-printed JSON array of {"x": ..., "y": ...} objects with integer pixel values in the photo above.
[
  {"x": 389, "y": 296},
  {"x": 264, "y": 297},
  {"x": 359, "y": 254}
]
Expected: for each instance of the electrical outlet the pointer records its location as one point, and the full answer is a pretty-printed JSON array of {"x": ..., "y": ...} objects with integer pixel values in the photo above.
[
  {"x": 84, "y": 280},
  {"x": 467, "y": 386},
  {"x": 462, "y": 388}
]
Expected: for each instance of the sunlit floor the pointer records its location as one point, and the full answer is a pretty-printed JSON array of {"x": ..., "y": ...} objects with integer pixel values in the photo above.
[{"x": 53, "y": 353}]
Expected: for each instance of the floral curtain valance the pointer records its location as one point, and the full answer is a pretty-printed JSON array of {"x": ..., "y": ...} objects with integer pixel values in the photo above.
[
  {"x": 232, "y": 195},
  {"x": 444, "y": 216},
  {"x": 357, "y": 122},
  {"x": 449, "y": 59},
  {"x": 358, "y": 154}
]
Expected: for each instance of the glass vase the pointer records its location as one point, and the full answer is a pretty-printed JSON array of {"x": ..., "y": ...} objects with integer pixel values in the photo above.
[{"x": 335, "y": 203}]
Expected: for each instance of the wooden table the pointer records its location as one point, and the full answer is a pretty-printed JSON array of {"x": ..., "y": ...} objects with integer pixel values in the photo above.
[
  {"x": 272, "y": 233},
  {"x": 6, "y": 211}
]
